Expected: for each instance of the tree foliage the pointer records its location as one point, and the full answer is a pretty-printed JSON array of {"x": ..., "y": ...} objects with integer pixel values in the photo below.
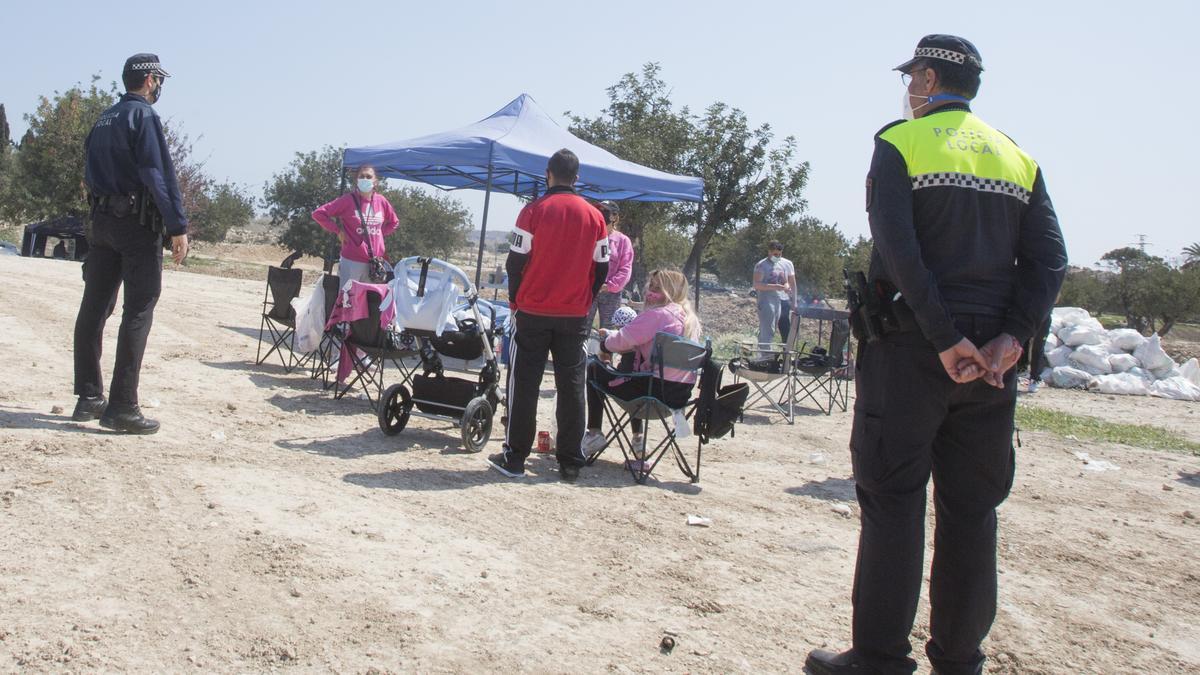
[
  {"x": 1191, "y": 252},
  {"x": 46, "y": 177},
  {"x": 749, "y": 179},
  {"x": 221, "y": 207},
  {"x": 310, "y": 180},
  {"x": 429, "y": 225},
  {"x": 1149, "y": 293}
]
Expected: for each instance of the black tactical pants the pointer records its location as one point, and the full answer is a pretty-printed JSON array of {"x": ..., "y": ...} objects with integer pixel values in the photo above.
[
  {"x": 912, "y": 421},
  {"x": 121, "y": 251},
  {"x": 534, "y": 339}
]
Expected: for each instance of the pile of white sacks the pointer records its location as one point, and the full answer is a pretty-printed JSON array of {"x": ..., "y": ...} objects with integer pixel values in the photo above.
[{"x": 1084, "y": 355}]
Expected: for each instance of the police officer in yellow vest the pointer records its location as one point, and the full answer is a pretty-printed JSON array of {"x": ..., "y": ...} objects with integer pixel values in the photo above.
[{"x": 968, "y": 258}]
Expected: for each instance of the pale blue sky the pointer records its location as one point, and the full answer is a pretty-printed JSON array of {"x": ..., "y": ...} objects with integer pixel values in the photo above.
[{"x": 1103, "y": 98}]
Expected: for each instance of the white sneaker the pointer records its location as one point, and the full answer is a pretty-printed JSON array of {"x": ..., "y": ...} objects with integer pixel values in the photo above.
[
  {"x": 1034, "y": 385},
  {"x": 592, "y": 441}
]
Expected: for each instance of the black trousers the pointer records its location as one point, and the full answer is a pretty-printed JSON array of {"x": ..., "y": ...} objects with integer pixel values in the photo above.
[
  {"x": 534, "y": 339},
  {"x": 674, "y": 394},
  {"x": 121, "y": 251},
  {"x": 911, "y": 421},
  {"x": 1034, "y": 356}
]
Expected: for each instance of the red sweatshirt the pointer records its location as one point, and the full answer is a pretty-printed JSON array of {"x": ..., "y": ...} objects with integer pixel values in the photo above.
[{"x": 558, "y": 256}]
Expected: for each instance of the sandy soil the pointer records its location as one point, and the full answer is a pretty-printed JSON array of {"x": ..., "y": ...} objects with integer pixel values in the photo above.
[{"x": 269, "y": 526}]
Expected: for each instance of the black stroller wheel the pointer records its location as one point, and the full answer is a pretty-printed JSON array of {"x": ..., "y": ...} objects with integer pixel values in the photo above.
[
  {"x": 476, "y": 424},
  {"x": 394, "y": 409}
]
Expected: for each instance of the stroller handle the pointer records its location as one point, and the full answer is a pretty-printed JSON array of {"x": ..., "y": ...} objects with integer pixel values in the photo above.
[{"x": 401, "y": 267}]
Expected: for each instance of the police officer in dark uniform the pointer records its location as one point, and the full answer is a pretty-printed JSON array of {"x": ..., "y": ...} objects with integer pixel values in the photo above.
[
  {"x": 135, "y": 203},
  {"x": 968, "y": 258}
]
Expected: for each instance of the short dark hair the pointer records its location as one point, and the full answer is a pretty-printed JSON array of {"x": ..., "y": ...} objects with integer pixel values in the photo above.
[
  {"x": 954, "y": 78},
  {"x": 134, "y": 80},
  {"x": 564, "y": 165},
  {"x": 605, "y": 211},
  {"x": 775, "y": 245}
]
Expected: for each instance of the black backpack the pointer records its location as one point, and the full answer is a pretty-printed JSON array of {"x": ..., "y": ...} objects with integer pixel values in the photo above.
[{"x": 719, "y": 406}]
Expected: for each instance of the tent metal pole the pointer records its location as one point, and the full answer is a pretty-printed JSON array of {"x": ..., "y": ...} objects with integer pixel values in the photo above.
[
  {"x": 701, "y": 257},
  {"x": 487, "y": 198}
]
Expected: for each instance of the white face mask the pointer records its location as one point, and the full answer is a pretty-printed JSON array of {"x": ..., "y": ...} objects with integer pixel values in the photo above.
[
  {"x": 365, "y": 185},
  {"x": 906, "y": 109},
  {"x": 774, "y": 258}
]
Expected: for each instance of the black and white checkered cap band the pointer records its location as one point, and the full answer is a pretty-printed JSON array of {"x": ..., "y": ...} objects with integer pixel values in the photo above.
[
  {"x": 966, "y": 180},
  {"x": 150, "y": 65},
  {"x": 939, "y": 53}
]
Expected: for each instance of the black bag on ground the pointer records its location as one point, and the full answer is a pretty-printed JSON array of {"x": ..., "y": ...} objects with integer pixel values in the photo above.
[{"x": 719, "y": 406}]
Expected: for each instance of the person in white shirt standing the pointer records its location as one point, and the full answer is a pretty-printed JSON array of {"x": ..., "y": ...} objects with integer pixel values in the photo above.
[{"x": 775, "y": 285}]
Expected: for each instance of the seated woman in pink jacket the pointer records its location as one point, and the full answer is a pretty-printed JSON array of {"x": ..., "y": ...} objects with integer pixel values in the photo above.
[
  {"x": 667, "y": 310},
  {"x": 345, "y": 216}
]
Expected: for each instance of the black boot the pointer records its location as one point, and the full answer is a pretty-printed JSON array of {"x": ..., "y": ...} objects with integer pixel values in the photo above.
[
  {"x": 825, "y": 662},
  {"x": 89, "y": 408},
  {"x": 127, "y": 420}
]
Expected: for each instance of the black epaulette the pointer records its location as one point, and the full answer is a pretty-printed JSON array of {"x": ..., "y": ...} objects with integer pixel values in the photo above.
[{"x": 889, "y": 125}]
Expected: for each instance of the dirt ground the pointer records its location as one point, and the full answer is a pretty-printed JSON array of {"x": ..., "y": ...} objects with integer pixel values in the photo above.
[{"x": 269, "y": 526}]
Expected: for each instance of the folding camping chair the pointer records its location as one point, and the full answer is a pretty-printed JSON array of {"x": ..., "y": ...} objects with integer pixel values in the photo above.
[
  {"x": 669, "y": 351},
  {"x": 821, "y": 374},
  {"x": 768, "y": 368},
  {"x": 370, "y": 347},
  {"x": 279, "y": 317}
]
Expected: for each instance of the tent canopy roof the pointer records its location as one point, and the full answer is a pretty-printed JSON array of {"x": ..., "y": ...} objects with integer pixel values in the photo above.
[
  {"x": 62, "y": 227},
  {"x": 516, "y": 142}
]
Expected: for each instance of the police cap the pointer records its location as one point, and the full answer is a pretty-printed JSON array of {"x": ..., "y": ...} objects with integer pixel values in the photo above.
[
  {"x": 144, "y": 63},
  {"x": 948, "y": 48}
]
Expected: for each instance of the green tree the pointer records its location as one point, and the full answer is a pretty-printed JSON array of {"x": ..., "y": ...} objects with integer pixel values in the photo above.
[
  {"x": 312, "y": 179},
  {"x": 5, "y": 151},
  {"x": 641, "y": 125},
  {"x": 1129, "y": 285},
  {"x": 1191, "y": 252},
  {"x": 46, "y": 178},
  {"x": 818, "y": 252},
  {"x": 858, "y": 255},
  {"x": 746, "y": 180},
  {"x": 1152, "y": 295},
  {"x": 223, "y": 206},
  {"x": 747, "y": 176},
  {"x": 1085, "y": 288},
  {"x": 430, "y": 225}
]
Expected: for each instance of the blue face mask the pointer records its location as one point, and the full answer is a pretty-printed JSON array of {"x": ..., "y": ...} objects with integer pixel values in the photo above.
[{"x": 365, "y": 185}]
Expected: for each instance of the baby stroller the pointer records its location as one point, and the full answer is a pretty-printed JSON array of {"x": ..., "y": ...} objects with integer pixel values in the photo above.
[{"x": 425, "y": 292}]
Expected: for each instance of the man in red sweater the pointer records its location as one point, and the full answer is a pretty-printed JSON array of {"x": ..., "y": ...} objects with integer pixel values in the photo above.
[{"x": 557, "y": 262}]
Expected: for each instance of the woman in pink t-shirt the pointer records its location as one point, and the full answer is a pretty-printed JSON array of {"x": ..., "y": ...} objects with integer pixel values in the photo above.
[{"x": 345, "y": 217}]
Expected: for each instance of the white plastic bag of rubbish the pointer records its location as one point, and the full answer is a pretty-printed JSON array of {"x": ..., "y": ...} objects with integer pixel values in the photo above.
[
  {"x": 1067, "y": 377},
  {"x": 1045, "y": 375},
  {"x": 1076, "y": 335},
  {"x": 1091, "y": 358},
  {"x": 1191, "y": 371},
  {"x": 1151, "y": 354},
  {"x": 1052, "y": 342},
  {"x": 1178, "y": 388},
  {"x": 310, "y": 319},
  {"x": 1141, "y": 372},
  {"x": 1126, "y": 338},
  {"x": 1069, "y": 316},
  {"x": 1166, "y": 372},
  {"x": 1059, "y": 356},
  {"x": 1120, "y": 383},
  {"x": 1121, "y": 363}
]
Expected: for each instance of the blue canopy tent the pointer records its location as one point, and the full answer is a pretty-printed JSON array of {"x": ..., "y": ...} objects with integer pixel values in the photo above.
[{"x": 507, "y": 152}]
